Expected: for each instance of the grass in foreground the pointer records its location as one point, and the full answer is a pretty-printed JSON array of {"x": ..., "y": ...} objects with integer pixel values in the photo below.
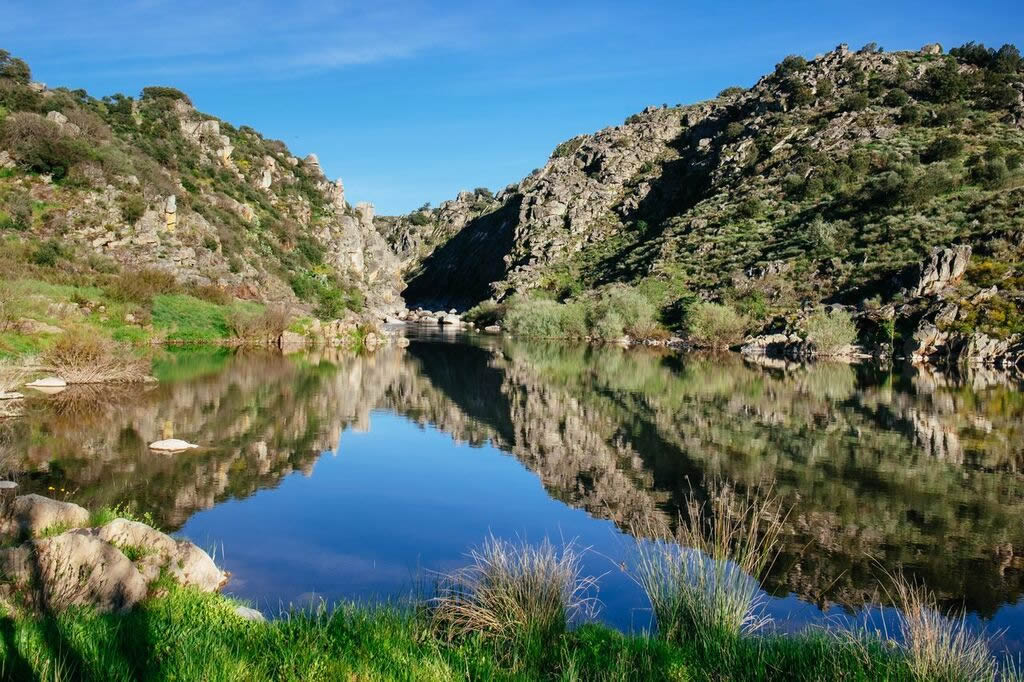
[{"x": 191, "y": 636}]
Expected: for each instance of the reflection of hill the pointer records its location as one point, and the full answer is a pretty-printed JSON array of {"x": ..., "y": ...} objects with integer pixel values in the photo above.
[
  {"x": 902, "y": 469},
  {"x": 911, "y": 470}
]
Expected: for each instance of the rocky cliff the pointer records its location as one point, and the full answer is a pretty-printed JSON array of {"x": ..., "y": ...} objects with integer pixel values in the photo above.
[
  {"x": 827, "y": 181},
  {"x": 150, "y": 182}
]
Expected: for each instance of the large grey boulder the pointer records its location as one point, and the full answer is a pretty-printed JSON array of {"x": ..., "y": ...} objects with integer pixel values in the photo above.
[
  {"x": 73, "y": 569},
  {"x": 32, "y": 514},
  {"x": 185, "y": 562}
]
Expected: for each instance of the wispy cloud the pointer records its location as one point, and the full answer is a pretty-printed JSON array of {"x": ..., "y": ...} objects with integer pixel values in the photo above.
[{"x": 257, "y": 38}]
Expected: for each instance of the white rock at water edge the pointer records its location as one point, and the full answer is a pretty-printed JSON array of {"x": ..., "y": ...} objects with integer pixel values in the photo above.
[
  {"x": 172, "y": 445},
  {"x": 48, "y": 382}
]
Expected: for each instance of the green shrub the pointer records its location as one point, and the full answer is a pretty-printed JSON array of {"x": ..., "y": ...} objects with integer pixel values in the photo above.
[
  {"x": 18, "y": 214},
  {"x": 160, "y": 91},
  {"x": 790, "y": 65},
  {"x": 133, "y": 205},
  {"x": 48, "y": 253},
  {"x": 943, "y": 148},
  {"x": 38, "y": 146},
  {"x": 948, "y": 115},
  {"x": 911, "y": 114},
  {"x": 567, "y": 148},
  {"x": 945, "y": 83},
  {"x": 715, "y": 325},
  {"x": 542, "y": 318},
  {"x": 896, "y": 98},
  {"x": 419, "y": 218},
  {"x": 485, "y": 314},
  {"x": 734, "y": 130},
  {"x": 856, "y": 101},
  {"x": 14, "y": 69},
  {"x": 830, "y": 332},
  {"x": 732, "y": 91},
  {"x": 622, "y": 309}
]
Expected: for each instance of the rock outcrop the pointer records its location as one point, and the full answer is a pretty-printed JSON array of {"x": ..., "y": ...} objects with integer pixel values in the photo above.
[{"x": 110, "y": 567}]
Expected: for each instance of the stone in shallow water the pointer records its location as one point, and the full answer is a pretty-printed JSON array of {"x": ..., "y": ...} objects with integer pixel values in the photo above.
[
  {"x": 48, "y": 385},
  {"x": 172, "y": 445}
]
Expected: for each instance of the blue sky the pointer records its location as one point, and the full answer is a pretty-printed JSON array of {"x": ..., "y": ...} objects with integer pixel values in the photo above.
[{"x": 411, "y": 101}]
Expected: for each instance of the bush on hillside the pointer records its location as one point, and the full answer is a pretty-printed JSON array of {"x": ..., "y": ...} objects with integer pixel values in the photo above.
[
  {"x": 140, "y": 286},
  {"x": 856, "y": 101},
  {"x": 133, "y": 205},
  {"x": 160, "y": 91},
  {"x": 896, "y": 98},
  {"x": 715, "y": 325},
  {"x": 945, "y": 83},
  {"x": 38, "y": 146},
  {"x": 830, "y": 332},
  {"x": 790, "y": 65},
  {"x": 14, "y": 69},
  {"x": 732, "y": 91},
  {"x": 49, "y": 253},
  {"x": 943, "y": 148}
]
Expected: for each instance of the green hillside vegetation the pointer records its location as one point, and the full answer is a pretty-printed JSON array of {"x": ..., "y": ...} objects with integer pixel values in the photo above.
[
  {"x": 85, "y": 220},
  {"x": 823, "y": 183}
]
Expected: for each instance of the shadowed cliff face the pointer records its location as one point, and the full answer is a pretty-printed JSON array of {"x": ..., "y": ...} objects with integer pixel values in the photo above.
[{"x": 916, "y": 470}]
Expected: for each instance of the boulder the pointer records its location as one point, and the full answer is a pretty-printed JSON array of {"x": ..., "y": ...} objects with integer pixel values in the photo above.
[
  {"x": 291, "y": 339},
  {"x": 401, "y": 342},
  {"x": 11, "y": 395},
  {"x": 249, "y": 614},
  {"x": 493, "y": 329},
  {"x": 74, "y": 569},
  {"x": 32, "y": 514},
  {"x": 184, "y": 561},
  {"x": 931, "y": 48},
  {"x": 29, "y": 326},
  {"x": 371, "y": 341},
  {"x": 171, "y": 445},
  {"x": 191, "y": 566},
  {"x": 48, "y": 382}
]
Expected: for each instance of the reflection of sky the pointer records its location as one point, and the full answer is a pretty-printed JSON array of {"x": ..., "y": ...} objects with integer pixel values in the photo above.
[{"x": 399, "y": 502}]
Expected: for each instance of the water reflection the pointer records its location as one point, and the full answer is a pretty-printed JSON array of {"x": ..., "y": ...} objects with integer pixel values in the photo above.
[{"x": 908, "y": 469}]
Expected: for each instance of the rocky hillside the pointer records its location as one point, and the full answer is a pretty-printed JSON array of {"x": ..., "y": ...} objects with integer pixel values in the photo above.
[
  {"x": 830, "y": 180},
  {"x": 96, "y": 185}
]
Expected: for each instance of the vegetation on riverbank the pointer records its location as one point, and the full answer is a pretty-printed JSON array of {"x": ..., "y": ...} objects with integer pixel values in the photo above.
[
  {"x": 191, "y": 636},
  {"x": 517, "y": 612}
]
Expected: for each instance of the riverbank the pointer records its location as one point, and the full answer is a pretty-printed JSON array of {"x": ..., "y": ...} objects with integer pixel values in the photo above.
[{"x": 188, "y": 635}]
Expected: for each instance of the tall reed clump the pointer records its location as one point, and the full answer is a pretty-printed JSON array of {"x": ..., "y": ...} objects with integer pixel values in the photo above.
[
  {"x": 514, "y": 593},
  {"x": 939, "y": 646},
  {"x": 85, "y": 358},
  {"x": 703, "y": 582}
]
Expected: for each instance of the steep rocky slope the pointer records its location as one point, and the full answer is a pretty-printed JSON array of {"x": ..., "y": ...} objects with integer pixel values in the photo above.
[
  {"x": 123, "y": 182},
  {"x": 829, "y": 180}
]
